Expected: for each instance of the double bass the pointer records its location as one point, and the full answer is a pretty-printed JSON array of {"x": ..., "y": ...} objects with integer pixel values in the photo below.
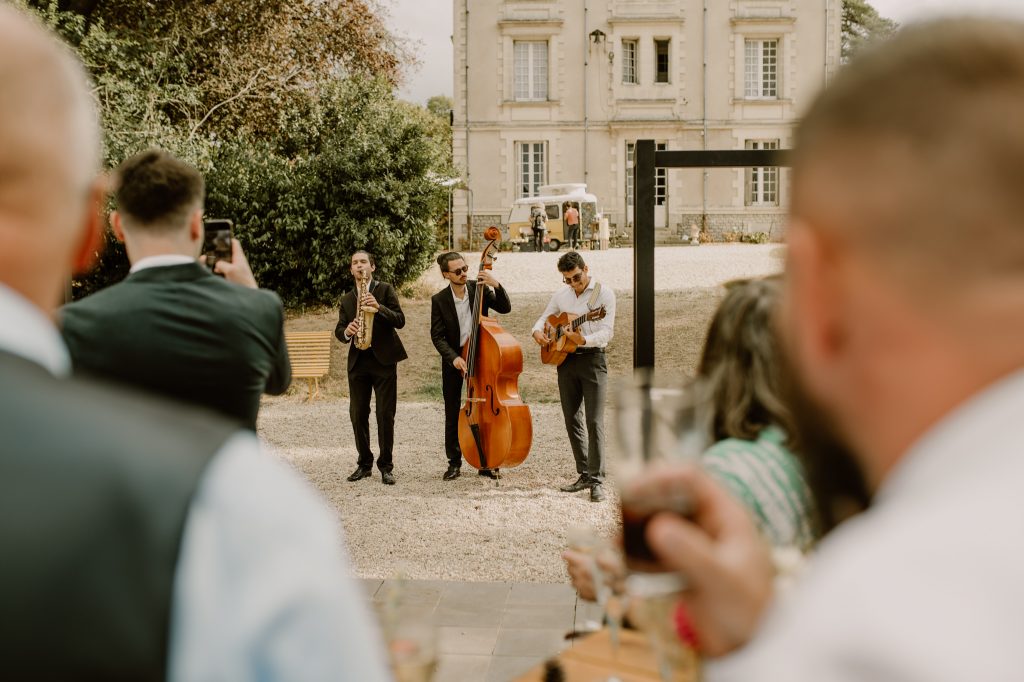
[{"x": 495, "y": 427}]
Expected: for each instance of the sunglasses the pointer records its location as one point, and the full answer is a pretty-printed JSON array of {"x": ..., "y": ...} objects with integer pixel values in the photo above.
[
  {"x": 578, "y": 277},
  {"x": 459, "y": 271}
]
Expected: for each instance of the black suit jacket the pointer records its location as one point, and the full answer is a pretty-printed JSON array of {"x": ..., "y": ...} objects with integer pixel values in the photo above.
[
  {"x": 444, "y": 320},
  {"x": 385, "y": 344},
  {"x": 183, "y": 332}
]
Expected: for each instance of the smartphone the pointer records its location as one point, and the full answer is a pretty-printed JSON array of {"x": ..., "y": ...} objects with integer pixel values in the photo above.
[{"x": 217, "y": 235}]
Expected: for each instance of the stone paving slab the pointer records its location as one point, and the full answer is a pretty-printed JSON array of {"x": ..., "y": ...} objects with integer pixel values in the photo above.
[
  {"x": 487, "y": 632},
  {"x": 459, "y": 668}
]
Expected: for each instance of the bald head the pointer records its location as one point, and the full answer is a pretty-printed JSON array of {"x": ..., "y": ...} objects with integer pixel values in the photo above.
[
  {"x": 49, "y": 156},
  {"x": 915, "y": 156}
]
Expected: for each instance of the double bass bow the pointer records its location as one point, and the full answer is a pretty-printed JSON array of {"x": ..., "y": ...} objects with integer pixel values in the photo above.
[{"x": 495, "y": 427}]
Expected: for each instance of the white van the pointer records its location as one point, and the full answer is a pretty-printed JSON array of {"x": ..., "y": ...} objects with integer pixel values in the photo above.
[{"x": 556, "y": 199}]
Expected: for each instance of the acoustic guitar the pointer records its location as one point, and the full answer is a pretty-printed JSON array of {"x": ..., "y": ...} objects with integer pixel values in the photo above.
[{"x": 558, "y": 328}]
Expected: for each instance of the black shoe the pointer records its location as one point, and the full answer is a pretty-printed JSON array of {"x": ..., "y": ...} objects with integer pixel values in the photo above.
[
  {"x": 387, "y": 477},
  {"x": 596, "y": 493},
  {"x": 489, "y": 473},
  {"x": 582, "y": 483},
  {"x": 452, "y": 473},
  {"x": 359, "y": 474}
]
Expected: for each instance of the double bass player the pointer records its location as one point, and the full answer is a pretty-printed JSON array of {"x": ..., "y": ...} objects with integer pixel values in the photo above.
[{"x": 451, "y": 321}]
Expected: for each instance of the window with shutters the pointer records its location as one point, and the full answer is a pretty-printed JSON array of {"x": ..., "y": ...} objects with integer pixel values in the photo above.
[
  {"x": 761, "y": 69},
  {"x": 762, "y": 183},
  {"x": 629, "y": 62},
  {"x": 531, "y": 70},
  {"x": 532, "y": 167}
]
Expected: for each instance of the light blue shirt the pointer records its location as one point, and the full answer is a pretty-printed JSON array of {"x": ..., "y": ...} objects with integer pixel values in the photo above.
[{"x": 261, "y": 588}]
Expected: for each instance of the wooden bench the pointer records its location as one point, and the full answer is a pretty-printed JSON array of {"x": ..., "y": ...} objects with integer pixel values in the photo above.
[{"x": 310, "y": 355}]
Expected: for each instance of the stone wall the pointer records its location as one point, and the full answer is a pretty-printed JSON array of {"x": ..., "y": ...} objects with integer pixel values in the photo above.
[{"x": 480, "y": 223}]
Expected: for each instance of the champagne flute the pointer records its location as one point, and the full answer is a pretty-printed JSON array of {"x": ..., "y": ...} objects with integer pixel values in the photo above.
[
  {"x": 655, "y": 615},
  {"x": 413, "y": 651},
  {"x": 611, "y": 592},
  {"x": 658, "y": 420},
  {"x": 411, "y": 636},
  {"x": 585, "y": 540}
]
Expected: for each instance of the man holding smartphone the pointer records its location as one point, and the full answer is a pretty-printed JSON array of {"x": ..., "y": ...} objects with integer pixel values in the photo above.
[{"x": 171, "y": 326}]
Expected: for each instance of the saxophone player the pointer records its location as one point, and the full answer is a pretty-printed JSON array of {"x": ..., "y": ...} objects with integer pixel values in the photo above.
[{"x": 369, "y": 316}]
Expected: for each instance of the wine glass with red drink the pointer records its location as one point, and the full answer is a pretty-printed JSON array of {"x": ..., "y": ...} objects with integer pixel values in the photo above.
[{"x": 659, "y": 420}]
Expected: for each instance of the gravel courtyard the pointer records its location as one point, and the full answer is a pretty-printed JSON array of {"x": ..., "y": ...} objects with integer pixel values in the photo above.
[{"x": 471, "y": 529}]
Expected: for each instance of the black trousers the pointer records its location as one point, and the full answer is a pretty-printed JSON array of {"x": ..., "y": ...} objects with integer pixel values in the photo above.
[
  {"x": 538, "y": 239},
  {"x": 451, "y": 389},
  {"x": 368, "y": 376},
  {"x": 582, "y": 385},
  {"x": 574, "y": 236}
]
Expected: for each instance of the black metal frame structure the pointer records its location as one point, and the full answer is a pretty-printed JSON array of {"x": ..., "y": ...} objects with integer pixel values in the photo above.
[{"x": 647, "y": 161}]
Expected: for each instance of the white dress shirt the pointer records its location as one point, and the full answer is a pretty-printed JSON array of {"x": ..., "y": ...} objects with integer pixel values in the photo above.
[
  {"x": 261, "y": 589},
  {"x": 926, "y": 586},
  {"x": 161, "y": 261},
  {"x": 597, "y": 333},
  {"x": 465, "y": 312}
]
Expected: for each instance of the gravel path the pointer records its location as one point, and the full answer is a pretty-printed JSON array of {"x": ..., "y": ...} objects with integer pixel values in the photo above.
[
  {"x": 676, "y": 267},
  {"x": 426, "y": 528},
  {"x": 469, "y": 529}
]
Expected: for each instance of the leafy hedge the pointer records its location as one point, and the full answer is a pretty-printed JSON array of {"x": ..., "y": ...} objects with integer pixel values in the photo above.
[{"x": 365, "y": 178}]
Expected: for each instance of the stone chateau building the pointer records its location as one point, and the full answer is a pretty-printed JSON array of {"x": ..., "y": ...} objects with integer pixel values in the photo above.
[{"x": 557, "y": 91}]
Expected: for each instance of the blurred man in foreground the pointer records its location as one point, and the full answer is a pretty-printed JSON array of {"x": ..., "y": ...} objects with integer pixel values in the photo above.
[
  {"x": 172, "y": 327},
  {"x": 141, "y": 540},
  {"x": 905, "y": 320}
]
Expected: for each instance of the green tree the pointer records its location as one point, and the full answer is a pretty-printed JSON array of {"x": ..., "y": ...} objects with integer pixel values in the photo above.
[
  {"x": 287, "y": 106},
  {"x": 365, "y": 178},
  {"x": 861, "y": 26},
  {"x": 440, "y": 106},
  {"x": 215, "y": 68}
]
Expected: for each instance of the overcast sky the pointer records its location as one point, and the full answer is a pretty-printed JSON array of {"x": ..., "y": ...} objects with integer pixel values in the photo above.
[{"x": 428, "y": 23}]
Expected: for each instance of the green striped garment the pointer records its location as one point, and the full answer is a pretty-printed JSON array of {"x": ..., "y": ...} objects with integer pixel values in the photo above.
[{"x": 767, "y": 478}]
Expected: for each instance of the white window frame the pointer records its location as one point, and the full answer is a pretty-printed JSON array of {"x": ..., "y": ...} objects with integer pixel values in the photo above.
[
  {"x": 630, "y": 162},
  {"x": 762, "y": 184},
  {"x": 668, "y": 61},
  {"x": 660, "y": 175},
  {"x": 660, "y": 178},
  {"x": 761, "y": 60},
  {"x": 531, "y": 167},
  {"x": 630, "y": 61},
  {"x": 530, "y": 59}
]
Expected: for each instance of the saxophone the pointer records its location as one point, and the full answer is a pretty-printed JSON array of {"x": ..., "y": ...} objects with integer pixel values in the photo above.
[{"x": 364, "y": 313}]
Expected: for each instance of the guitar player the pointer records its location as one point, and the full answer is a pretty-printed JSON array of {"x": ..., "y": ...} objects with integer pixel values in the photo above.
[{"x": 583, "y": 376}]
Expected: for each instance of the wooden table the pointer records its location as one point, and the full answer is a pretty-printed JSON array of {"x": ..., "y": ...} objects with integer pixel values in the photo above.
[{"x": 591, "y": 660}]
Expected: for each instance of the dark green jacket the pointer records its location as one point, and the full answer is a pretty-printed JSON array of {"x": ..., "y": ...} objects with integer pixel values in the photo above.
[
  {"x": 95, "y": 487},
  {"x": 183, "y": 332}
]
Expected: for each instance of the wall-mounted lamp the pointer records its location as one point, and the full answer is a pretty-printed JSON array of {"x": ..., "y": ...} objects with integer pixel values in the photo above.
[{"x": 597, "y": 36}]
